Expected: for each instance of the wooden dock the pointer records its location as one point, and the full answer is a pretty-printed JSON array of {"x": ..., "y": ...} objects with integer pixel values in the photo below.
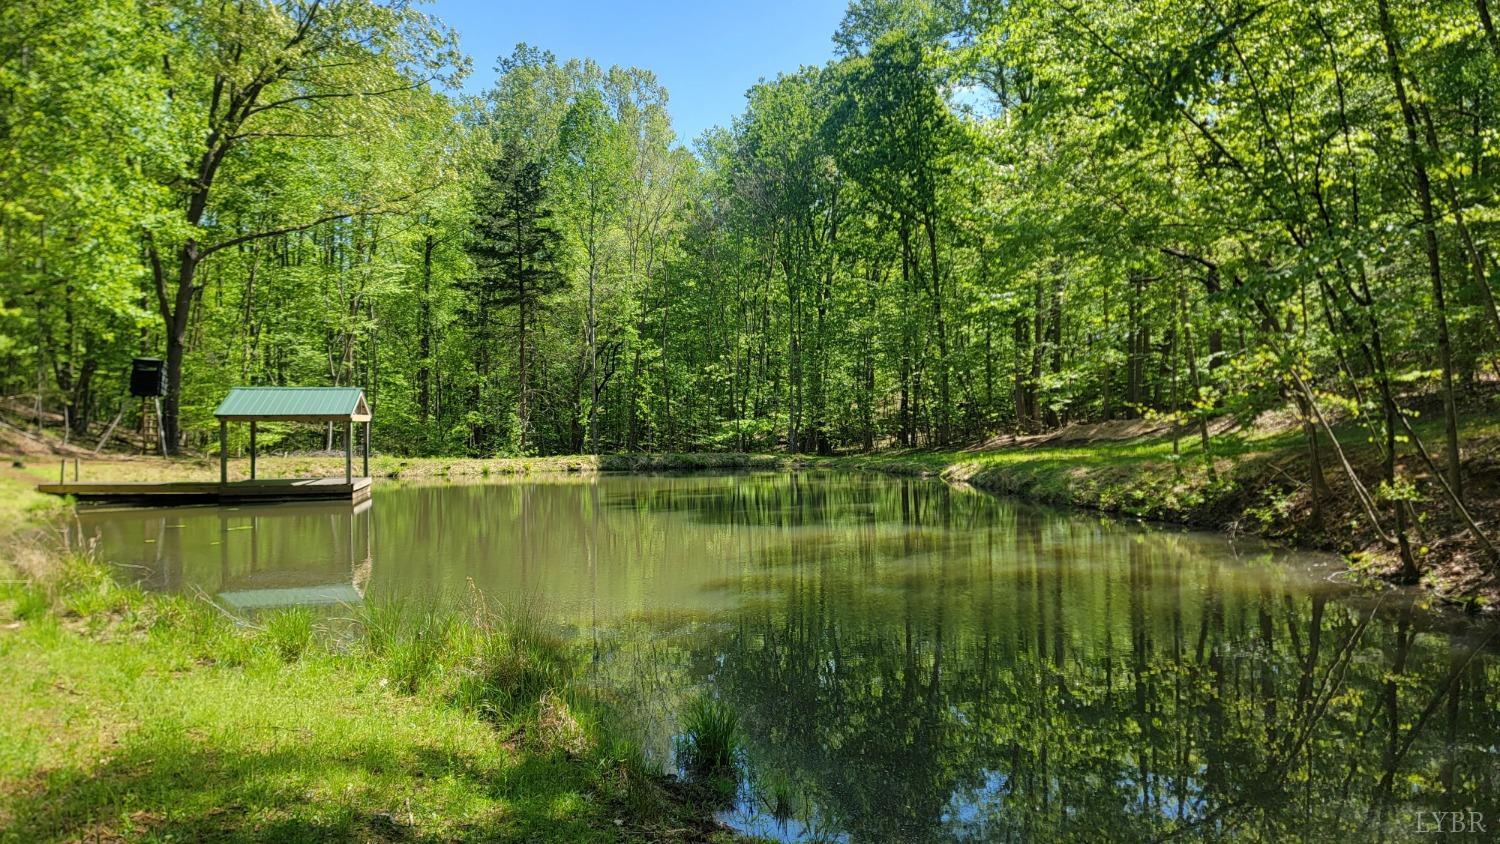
[{"x": 177, "y": 493}]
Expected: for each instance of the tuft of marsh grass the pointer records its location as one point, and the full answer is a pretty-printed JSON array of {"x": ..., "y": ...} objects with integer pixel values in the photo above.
[
  {"x": 86, "y": 589},
  {"x": 381, "y": 624},
  {"x": 410, "y": 637},
  {"x": 289, "y": 632},
  {"x": 502, "y": 662},
  {"x": 710, "y": 740},
  {"x": 24, "y": 601},
  {"x": 513, "y": 661}
]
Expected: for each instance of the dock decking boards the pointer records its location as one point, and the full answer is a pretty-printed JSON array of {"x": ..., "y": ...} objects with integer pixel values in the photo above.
[{"x": 212, "y": 492}]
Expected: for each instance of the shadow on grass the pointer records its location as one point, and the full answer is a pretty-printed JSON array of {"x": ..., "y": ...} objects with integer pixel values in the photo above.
[{"x": 168, "y": 787}]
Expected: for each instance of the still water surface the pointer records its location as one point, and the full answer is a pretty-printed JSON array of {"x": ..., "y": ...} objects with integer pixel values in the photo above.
[{"x": 916, "y": 662}]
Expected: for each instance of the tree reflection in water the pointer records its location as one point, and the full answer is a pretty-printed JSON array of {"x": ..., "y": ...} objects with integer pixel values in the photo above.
[{"x": 1004, "y": 673}]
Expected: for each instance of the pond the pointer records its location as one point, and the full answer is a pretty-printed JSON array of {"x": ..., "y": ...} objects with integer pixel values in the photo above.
[{"x": 913, "y": 661}]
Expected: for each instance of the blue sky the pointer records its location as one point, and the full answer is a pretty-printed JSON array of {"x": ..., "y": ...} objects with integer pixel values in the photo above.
[{"x": 705, "y": 53}]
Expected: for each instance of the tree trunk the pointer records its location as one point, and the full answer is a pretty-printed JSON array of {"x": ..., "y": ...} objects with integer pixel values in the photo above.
[
  {"x": 1483, "y": 7},
  {"x": 592, "y": 338},
  {"x": 1454, "y": 469},
  {"x": 908, "y": 434},
  {"x": 790, "y": 271},
  {"x": 175, "y": 315},
  {"x": 1133, "y": 344},
  {"x": 424, "y": 341},
  {"x": 1054, "y": 339},
  {"x": 523, "y": 410},
  {"x": 1038, "y": 337},
  {"x": 1023, "y": 399},
  {"x": 1192, "y": 362},
  {"x": 941, "y": 325}
]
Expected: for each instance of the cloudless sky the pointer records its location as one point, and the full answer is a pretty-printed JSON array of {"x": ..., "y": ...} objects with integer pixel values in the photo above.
[{"x": 706, "y": 54}]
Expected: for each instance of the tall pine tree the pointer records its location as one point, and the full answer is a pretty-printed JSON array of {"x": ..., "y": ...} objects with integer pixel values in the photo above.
[{"x": 515, "y": 251}]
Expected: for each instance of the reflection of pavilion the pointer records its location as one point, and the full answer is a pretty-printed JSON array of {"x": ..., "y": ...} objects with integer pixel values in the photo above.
[
  {"x": 268, "y": 555},
  {"x": 267, "y": 587}
]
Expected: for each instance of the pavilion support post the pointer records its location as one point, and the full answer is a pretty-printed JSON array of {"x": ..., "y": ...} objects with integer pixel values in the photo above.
[
  {"x": 367, "y": 450},
  {"x": 349, "y": 452},
  {"x": 223, "y": 452},
  {"x": 252, "y": 449}
]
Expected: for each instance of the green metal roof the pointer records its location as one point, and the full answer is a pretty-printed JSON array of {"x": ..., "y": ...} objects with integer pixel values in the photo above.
[{"x": 314, "y": 404}]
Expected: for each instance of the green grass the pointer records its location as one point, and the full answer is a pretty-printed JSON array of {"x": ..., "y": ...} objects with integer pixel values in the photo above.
[
  {"x": 289, "y": 632},
  {"x": 22, "y": 508},
  {"x": 710, "y": 736},
  {"x": 708, "y": 749},
  {"x": 410, "y": 636}
]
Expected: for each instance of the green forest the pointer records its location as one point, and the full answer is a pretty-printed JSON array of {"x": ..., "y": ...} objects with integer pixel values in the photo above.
[{"x": 983, "y": 217}]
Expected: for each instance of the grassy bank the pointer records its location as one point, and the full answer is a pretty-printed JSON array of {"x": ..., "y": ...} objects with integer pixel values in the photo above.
[
  {"x": 1140, "y": 477},
  {"x": 1252, "y": 481},
  {"x": 132, "y": 716}
]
